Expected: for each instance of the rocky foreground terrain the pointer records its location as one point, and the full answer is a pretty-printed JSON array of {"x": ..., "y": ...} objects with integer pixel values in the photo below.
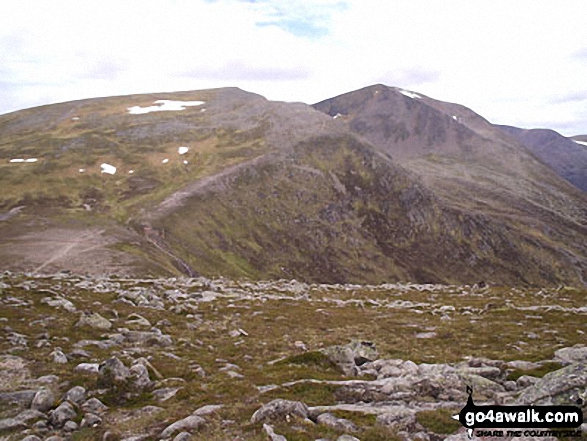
[{"x": 86, "y": 358}]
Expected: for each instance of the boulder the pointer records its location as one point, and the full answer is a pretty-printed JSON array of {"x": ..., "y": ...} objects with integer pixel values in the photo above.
[
  {"x": 94, "y": 321},
  {"x": 76, "y": 395},
  {"x": 280, "y": 409},
  {"x": 44, "y": 400},
  {"x": 561, "y": 387},
  {"x": 340, "y": 424},
  {"x": 192, "y": 422},
  {"x": 62, "y": 414},
  {"x": 113, "y": 373},
  {"x": 574, "y": 354}
]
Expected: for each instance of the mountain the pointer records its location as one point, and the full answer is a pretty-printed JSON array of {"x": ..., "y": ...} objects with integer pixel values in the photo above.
[
  {"x": 566, "y": 156},
  {"x": 378, "y": 185}
]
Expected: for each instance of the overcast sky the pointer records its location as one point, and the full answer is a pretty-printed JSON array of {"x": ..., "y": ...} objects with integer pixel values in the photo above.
[{"x": 517, "y": 62}]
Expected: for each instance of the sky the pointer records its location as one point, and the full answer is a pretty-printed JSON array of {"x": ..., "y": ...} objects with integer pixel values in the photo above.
[{"x": 515, "y": 62}]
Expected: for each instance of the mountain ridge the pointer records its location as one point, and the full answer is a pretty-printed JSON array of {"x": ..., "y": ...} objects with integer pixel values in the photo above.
[{"x": 399, "y": 187}]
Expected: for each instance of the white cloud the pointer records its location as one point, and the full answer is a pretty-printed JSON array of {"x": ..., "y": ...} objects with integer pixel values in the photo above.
[{"x": 509, "y": 61}]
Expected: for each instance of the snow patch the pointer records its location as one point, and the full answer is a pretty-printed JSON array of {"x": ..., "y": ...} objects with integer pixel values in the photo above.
[
  {"x": 338, "y": 115},
  {"x": 182, "y": 150},
  {"x": 107, "y": 168},
  {"x": 17, "y": 160},
  {"x": 165, "y": 161},
  {"x": 409, "y": 94},
  {"x": 131, "y": 171},
  {"x": 82, "y": 170},
  {"x": 185, "y": 162},
  {"x": 164, "y": 105},
  {"x": 75, "y": 118},
  {"x": 580, "y": 142}
]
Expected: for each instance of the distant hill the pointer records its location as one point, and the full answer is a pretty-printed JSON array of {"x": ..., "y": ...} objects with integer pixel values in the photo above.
[
  {"x": 566, "y": 156},
  {"x": 378, "y": 185}
]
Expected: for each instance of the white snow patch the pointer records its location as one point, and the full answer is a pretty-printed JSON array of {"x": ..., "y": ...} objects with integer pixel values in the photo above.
[
  {"x": 203, "y": 110},
  {"x": 31, "y": 160},
  {"x": 23, "y": 160},
  {"x": 455, "y": 117},
  {"x": 163, "y": 105},
  {"x": 185, "y": 162},
  {"x": 107, "y": 168},
  {"x": 182, "y": 150},
  {"x": 75, "y": 118},
  {"x": 338, "y": 115},
  {"x": 409, "y": 94},
  {"x": 131, "y": 171},
  {"x": 165, "y": 161},
  {"x": 82, "y": 170},
  {"x": 17, "y": 160},
  {"x": 580, "y": 142}
]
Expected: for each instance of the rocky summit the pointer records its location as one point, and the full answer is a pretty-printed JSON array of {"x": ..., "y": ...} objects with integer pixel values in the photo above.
[{"x": 215, "y": 359}]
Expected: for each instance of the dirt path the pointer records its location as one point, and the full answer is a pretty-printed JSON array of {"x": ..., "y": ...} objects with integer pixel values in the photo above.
[
  {"x": 65, "y": 250},
  {"x": 175, "y": 200}
]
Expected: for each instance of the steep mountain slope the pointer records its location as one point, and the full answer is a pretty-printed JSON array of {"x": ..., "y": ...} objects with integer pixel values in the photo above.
[
  {"x": 472, "y": 167},
  {"x": 400, "y": 187},
  {"x": 566, "y": 156}
]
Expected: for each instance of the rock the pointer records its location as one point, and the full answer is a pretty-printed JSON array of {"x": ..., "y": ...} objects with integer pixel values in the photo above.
[
  {"x": 94, "y": 405},
  {"x": 87, "y": 368},
  {"x": 76, "y": 395},
  {"x": 95, "y": 321},
  {"x": 192, "y": 422},
  {"x": 574, "y": 354},
  {"x": 136, "y": 320},
  {"x": 165, "y": 393},
  {"x": 113, "y": 373},
  {"x": 62, "y": 414},
  {"x": 139, "y": 377},
  {"x": 54, "y": 438},
  {"x": 70, "y": 426},
  {"x": 91, "y": 420},
  {"x": 22, "y": 398},
  {"x": 31, "y": 438},
  {"x": 525, "y": 381},
  {"x": 399, "y": 418},
  {"x": 208, "y": 409},
  {"x": 146, "y": 338},
  {"x": 280, "y": 409},
  {"x": 329, "y": 420},
  {"x": 272, "y": 435},
  {"x": 183, "y": 436},
  {"x": 43, "y": 400},
  {"x": 57, "y": 356},
  {"x": 349, "y": 356},
  {"x": 560, "y": 387},
  {"x": 59, "y": 302},
  {"x": 347, "y": 438}
]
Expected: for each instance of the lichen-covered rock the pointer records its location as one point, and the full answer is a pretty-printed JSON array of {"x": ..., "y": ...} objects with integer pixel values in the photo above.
[
  {"x": 279, "y": 409},
  {"x": 561, "y": 387},
  {"x": 341, "y": 424},
  {"x": 351, "y": 355},
  {"x": 574, "y": 354},
  {"x": 113, "y": 373},
  {"x": 94, "y": 405},
  {"x": 95, "y": 321},
  {"x": 190, "y": 423},
  {"x": 76, "y": 395},
  {"x": 64, "y": 412},
  {"x": 44, "y": 400}
]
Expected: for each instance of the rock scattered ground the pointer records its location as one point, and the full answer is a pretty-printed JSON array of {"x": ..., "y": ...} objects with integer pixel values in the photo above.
[{"x": 84, "y": 358}]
